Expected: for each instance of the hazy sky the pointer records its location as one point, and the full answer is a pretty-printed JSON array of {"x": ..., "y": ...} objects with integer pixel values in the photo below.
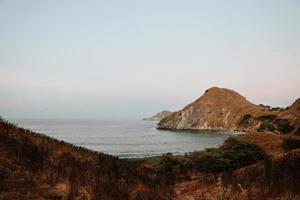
[{"x": 129, "y": 59}]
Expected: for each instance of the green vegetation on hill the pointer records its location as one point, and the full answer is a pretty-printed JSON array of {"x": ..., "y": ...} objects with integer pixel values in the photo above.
[
  {"x": 298, "y": 131},
  {"x": 154, "y": 160},
  {"x": 245, "y": 119},
  {"x": 283, "y": 125},
  {"x": 266, "y": 126},
  {"x": 231, "y": 155},
  {"x": 290, "y": 143},
  {"x": 272, "y": 123},
  {"x": 273, "y": 108}
]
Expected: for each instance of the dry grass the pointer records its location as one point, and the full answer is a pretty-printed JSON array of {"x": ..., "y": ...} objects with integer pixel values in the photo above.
[
  {"x": 270, "y": 142},
  {"x": 33, "y": 166}
]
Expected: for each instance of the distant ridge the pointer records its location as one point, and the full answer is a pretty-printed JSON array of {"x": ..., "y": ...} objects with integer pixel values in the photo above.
[{"x": 159, "y": 116}]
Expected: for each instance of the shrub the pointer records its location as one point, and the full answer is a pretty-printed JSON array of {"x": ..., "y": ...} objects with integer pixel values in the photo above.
[
  {"x": 298, "y": 131},
  {"x": 166, "y": 166},
  {"x": 245, "y": 119},
  {"x": 166, "y": 163},
  {"x": 278, "y": 109},
  {"x": 265, "y": 106},
  {"x": 233, "y": 154},
  {"x": 267, "y": 117},
  {"x": 290, "y": 143},
  {"x": 242, "y": 153},
  {"x": 266, "y": 126},
  {"x": 283, "y": 125},
  {"x": 213, "y": 162},
  {"x": 287, "y": 108}
]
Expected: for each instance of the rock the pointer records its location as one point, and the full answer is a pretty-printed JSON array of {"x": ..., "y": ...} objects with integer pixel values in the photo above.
[{"x": 159, "y": 116}]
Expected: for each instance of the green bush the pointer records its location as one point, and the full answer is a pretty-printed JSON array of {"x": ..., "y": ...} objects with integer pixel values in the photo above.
[
  {"x": 213, "y": 162},
  {"x": 266, "y": 126},
  {"x": 167, "y": 163},
  {"x": 233, "y": 154},
  {"x": 265, "y": 106},
  {"x": 298, "y": 131},
  {"x": 267, "y": 117},
  {"x": 283, "y": 125},
  {"x": 245, "y": 119},
  {"x": 290, "y": 143},
  {"x": 272, "y": 123},
  {"x": 166, "y": 167},
  {"x": 242, "y": 153}
]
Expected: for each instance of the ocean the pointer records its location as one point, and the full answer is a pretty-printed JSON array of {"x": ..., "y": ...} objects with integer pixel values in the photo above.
[{"x": 125, "y": 139}]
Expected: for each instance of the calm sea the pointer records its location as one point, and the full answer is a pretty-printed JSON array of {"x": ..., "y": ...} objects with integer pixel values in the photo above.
[{"x": 124, "y": 138}]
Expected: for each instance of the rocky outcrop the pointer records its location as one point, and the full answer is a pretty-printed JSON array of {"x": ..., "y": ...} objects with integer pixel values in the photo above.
[
  {"x": 159, "y": 116},
  {"x": 224, "y": 109}
]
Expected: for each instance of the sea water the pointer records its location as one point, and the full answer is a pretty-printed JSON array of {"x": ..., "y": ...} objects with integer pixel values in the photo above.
[{"x": 125, "y": 139}]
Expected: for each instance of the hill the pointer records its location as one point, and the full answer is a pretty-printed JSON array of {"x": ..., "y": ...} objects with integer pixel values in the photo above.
[{"x": 224, "y": 109}]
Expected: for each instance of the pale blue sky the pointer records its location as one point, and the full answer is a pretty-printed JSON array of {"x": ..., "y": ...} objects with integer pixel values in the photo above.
[{"x": 129, "y": 59}]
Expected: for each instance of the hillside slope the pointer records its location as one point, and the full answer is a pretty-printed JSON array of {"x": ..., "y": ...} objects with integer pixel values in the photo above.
[
  {"x": 33, "y": 166},
  {"x": 275, "y": 177}
]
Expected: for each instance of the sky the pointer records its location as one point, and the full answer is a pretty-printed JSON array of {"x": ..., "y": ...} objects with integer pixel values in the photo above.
[{"x": 128, "y": 59}]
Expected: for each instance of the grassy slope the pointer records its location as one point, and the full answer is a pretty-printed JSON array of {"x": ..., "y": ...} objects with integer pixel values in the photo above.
[
  {"x": 33, "y": 166},
  {"x": 276, "y": 174}
]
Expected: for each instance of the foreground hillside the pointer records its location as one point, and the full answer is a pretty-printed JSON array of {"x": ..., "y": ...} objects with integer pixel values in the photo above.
[
  {"x": 256, "y": 165},
  {"x": 33, "y": 166},
  {"x": 224, "y": 109},
  {"x": 277, "y": 176},
  {"x": 252, "y": 166}
]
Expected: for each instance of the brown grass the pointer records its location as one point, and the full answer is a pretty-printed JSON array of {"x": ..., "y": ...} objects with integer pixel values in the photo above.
[
  {"x": 270, "y": 142},
  {"x": 33, "y": 166}
]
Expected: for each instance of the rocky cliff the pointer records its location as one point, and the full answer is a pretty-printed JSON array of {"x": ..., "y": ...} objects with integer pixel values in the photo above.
[
  {"x": 224, "y": 109},
  {"x": 159, "y": 116}
]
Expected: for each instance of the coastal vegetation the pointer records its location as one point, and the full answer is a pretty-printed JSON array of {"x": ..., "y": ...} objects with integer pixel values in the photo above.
[
  {"x": 297, "y": 132},
  {"x": 245, "y": 119},
  {"x": 283, "y": 126},
  {"x": 290, "y": 143},
  {"x": 272, "y": 123},
  {"x": 250, "y": 166},
  {"x": 231, "y": 155}
]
